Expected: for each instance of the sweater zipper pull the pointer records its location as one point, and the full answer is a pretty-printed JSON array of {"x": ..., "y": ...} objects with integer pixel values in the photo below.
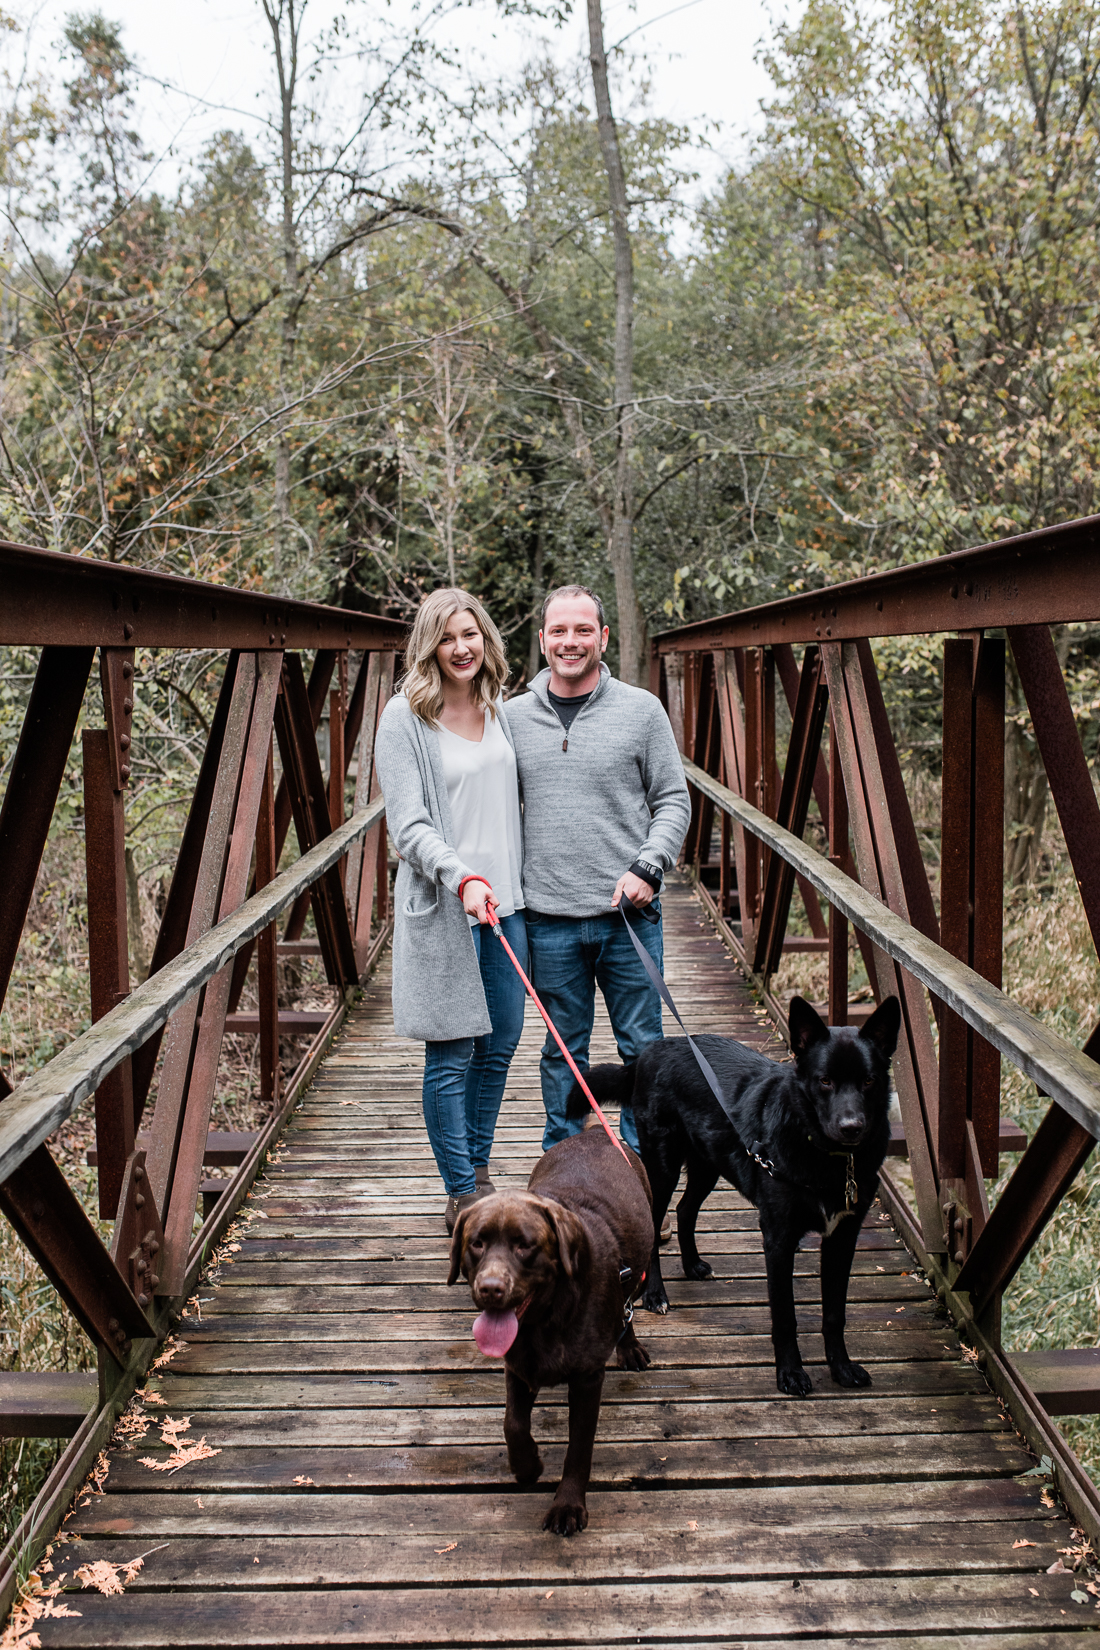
[{"x": 565, "y": 743}]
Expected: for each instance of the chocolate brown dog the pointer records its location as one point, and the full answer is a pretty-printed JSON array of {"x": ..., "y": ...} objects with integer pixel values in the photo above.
[{"x": 552, "y": 1269}]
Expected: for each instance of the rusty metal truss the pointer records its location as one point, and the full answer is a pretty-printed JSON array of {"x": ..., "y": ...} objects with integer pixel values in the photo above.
[
  {"x": 943, "y": 959},
  {"x": 261, "y": 771}
]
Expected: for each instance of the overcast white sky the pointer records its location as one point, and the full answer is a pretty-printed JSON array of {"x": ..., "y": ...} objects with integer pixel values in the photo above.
[{"x": 701, "y": 57}]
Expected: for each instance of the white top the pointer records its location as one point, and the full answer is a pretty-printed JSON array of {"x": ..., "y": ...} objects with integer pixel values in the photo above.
[{"x": 483, "y": 792}]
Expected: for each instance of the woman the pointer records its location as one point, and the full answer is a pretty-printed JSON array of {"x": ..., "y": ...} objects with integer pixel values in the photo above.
[{"x": 448, "y": 774}]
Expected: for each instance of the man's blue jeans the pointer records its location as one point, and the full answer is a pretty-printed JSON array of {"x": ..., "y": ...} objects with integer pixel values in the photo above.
[
  {"x": 464, "y": 1079},
  {"x": 570, "y": 957}
]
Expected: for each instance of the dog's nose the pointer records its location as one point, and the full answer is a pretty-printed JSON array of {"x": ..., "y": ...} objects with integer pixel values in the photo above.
[
  {"x": 491, "y": 1290},
  {"x": 851, "y": 1129}
]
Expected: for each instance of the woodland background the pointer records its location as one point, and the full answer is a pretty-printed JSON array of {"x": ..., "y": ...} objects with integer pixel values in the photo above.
[{"x": 421, "y": 330}]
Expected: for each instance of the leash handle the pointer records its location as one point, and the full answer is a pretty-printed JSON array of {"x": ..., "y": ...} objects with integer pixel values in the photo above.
[{"x": 494, "y": 924}]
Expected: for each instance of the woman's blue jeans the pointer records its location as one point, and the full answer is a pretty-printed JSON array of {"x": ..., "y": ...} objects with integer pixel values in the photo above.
[{"x": 464, "y": 1079}]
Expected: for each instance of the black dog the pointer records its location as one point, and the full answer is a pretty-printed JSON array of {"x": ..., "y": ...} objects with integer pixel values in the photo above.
[{"x": 805, "y": 1145}]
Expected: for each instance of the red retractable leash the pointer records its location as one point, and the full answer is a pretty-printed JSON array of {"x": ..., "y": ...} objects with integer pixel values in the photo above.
[{"x": 494, "y": 923}]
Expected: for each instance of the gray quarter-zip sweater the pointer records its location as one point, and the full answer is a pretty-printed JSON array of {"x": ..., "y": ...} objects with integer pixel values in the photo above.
[{"x": 609, "y": 792}]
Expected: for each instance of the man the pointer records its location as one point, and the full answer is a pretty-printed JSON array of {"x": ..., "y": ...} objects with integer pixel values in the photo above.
[{"x": 605, "y": 811}]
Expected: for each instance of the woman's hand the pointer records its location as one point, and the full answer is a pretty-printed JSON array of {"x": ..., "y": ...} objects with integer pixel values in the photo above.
[{"x": 478, "y": 898}]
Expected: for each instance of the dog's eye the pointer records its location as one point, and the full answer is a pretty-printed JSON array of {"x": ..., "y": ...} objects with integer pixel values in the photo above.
[
  {"x": 826, "y": 1084},
  {"x": 524, "y": 1251},
  {"x": 477, "y": 1246},
  {"x": 869, "y": 1084}
]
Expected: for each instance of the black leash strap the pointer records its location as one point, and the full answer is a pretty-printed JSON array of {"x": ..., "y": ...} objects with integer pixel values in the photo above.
[{"x": 657, "y": 980}]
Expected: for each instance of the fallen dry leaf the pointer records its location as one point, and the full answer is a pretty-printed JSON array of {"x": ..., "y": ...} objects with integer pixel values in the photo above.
[
  {"x": 183, "y": 1456},
  {"x": 1023, "y": 1543},
  {"x": 1046, "y": 1499},
  {"x": 302, "y": 1480},
  {"x": 550, "y": 1594},
  {"x": 1034, "y": 1591},
  {"x": 171, "y": 1346},
  {"x": 448, "y": 1549},
  {"x": 693, "y": 1523},
  {"x": 1058, "y": 1569},
  {"x": 969, "y": 1354},
  {"x": 170, "y": 1430}
]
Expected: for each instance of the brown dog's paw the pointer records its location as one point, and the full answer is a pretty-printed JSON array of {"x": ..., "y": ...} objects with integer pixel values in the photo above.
[
  {"x": 525, "y": 1465},
  {"x": 566, "y": 1517},
  {"x": 632, "y": 1355}
]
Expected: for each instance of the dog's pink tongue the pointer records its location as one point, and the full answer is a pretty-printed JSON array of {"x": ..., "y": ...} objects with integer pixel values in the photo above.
[{"x": 494, "y": 1332}]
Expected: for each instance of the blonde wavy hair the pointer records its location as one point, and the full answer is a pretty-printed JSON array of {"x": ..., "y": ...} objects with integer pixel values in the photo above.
[{"x": 423, "y": 680}]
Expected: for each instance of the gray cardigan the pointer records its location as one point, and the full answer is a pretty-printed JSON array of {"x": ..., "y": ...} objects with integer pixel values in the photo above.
[{"x": 437, "y": 990}]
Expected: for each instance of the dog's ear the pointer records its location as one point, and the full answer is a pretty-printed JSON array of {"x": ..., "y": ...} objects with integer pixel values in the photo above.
[
  {"x": 457, "y": 1241},
  {"x": 884, "y": 1026},
  {"x": 807, "y": 1026},
  {"x": 571, "y": 1235}
]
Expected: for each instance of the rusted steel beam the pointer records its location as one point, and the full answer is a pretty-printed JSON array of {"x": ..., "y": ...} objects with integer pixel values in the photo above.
[
  {"x": 971, "y": 878},
  {"x": 320, "y": 675},
  {"x": 987, "y": 944},
  {"x": 1041, "y": 1179},
  {"x": 880, "y": 872},
  {"x": 116, "y": 675},
  {"x": 194, "y": 1124},
  {"x": 732, "y": 725},
  {"x": 789, "y": 675},
  {"x": 267, "y": 981},
  {"x": 108, "y": 953},
  {"x": 365, "y": 857},
  {"x": 705, "y": 755},
  {"x": 302, "y": 766},
  {"x": 46, "y": 1213},
  {"x": 174, "y": 924},
  {"x": 836, "y": 812},
  {"x": 1048, "y": 577},
  {"x": 1064, "y": 760},
  {"x": 179, "y": 1050},
  {"x": 794, "y": 805},
  {"x": 73, "y": 601},
  {"x": 37, "y": 770}
]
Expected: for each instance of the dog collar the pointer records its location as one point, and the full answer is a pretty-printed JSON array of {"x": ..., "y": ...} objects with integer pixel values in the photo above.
[
  {"x": 521, "y": 1309},
  {"x": 851, "y": 1184}
]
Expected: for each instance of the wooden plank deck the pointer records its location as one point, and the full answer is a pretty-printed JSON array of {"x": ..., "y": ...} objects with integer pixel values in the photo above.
[{"x": 360, "y": 1493}]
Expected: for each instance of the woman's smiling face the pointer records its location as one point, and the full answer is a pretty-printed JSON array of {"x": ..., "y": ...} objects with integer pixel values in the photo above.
[{"x": 461, "y": 648}]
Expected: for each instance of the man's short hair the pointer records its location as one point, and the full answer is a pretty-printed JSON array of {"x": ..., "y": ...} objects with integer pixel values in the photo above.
[{"x": 572, "y": 590}]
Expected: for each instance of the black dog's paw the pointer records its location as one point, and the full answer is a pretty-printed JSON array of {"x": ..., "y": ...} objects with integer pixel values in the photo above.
[
  {"x": 632, "y": 1355},
  {"x": 794, "y": 1380},
  {"x": 699, "y": 1269},
  {"x": 846, "y": 1373},
  {"x": 654, "y": 1298},
  {"x": 566, "y": 1517}
]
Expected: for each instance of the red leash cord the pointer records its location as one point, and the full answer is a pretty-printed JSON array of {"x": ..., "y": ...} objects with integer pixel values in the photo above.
[{"x": 494, "y": 923}]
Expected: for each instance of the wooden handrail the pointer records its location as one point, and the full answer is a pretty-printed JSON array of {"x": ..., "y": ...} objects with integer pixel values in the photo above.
[
  {"x": 34, "y": 1109},
  {"x": 1062, "y": 1071}
]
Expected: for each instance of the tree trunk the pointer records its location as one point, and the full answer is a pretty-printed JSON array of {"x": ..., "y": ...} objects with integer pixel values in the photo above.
[
  {"x": 620, "y": 547},
  {"x": 286, "y": 62}
]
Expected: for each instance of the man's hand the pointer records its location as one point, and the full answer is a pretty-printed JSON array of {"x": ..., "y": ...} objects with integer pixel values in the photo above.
[
  {"x": 477, "y": 897},
  {"x": 636, "y": 889}
]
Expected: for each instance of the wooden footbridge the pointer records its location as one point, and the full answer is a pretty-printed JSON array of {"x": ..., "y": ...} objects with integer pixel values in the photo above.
[{"x": 315, "y": 1453}]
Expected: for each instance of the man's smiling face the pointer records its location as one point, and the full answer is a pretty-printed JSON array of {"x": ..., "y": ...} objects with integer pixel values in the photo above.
[{"x": 573, "y": 643}]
